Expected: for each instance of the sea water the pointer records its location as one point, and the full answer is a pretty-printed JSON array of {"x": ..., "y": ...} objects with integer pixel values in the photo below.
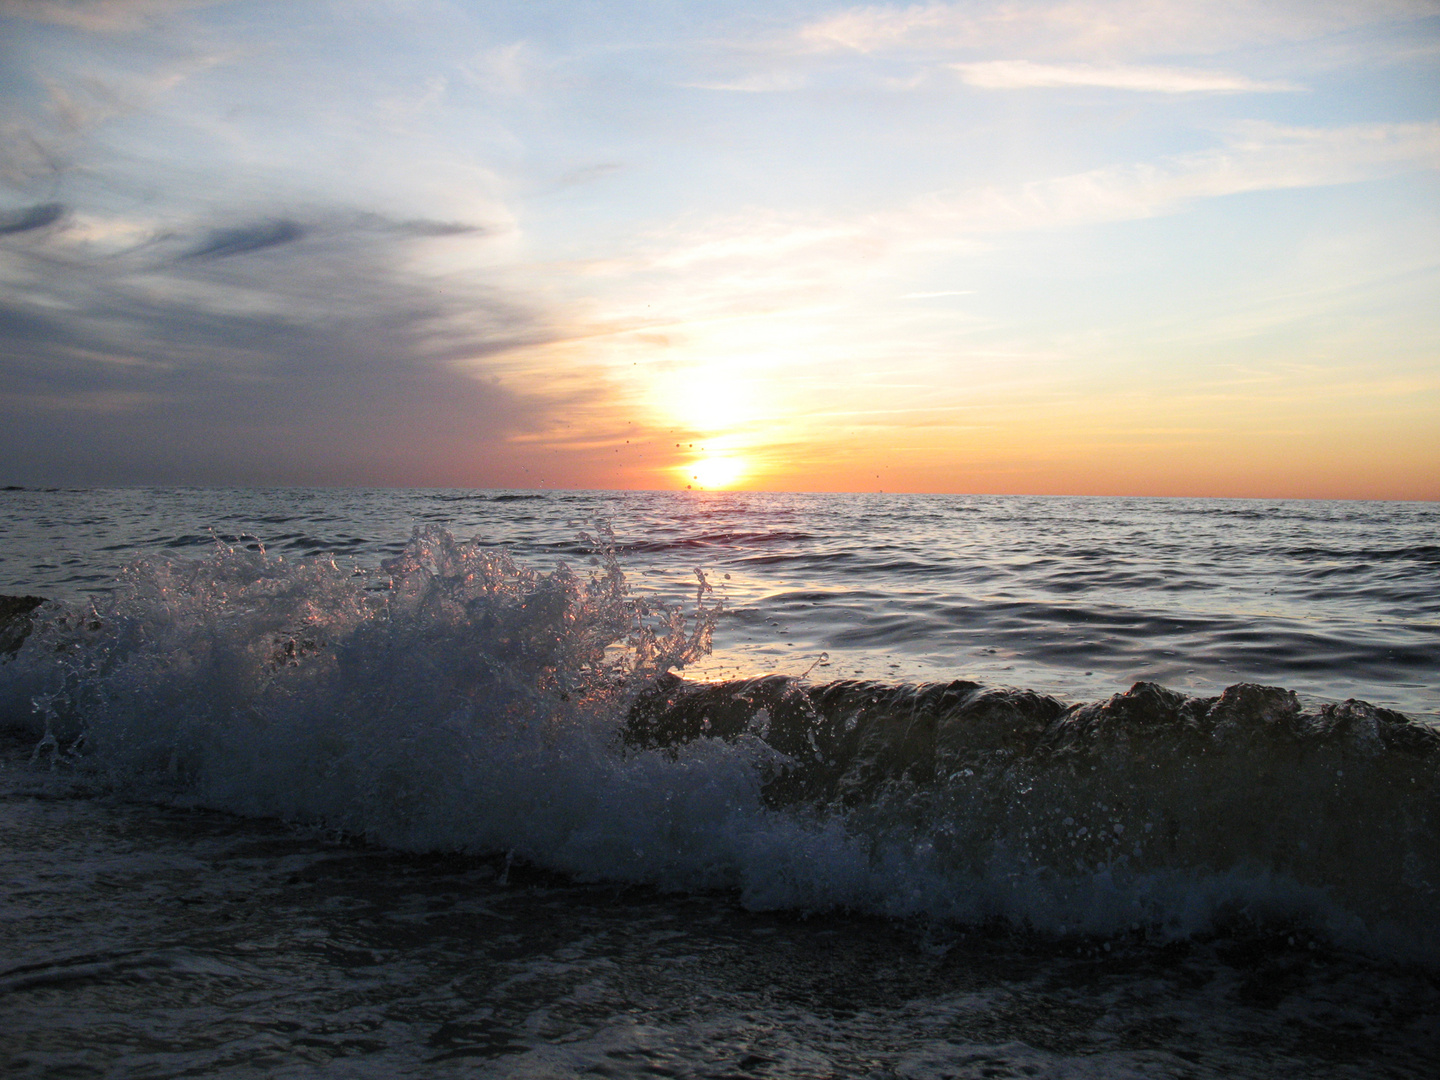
[{"x": 305, "y": 782}]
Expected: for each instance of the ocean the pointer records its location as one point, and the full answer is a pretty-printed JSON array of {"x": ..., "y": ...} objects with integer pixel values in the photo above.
[{"x": 394, "y": 783}]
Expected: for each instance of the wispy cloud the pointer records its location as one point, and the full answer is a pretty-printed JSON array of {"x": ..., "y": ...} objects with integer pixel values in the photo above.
[
  {"x": 509, "y": 70},
  {"x": 1023, "y": 74},
  {"x": 248, "y": 352},
  {"x": 769, "y": 82},
  {"x": 101, "y": 16},
  {"x": 765, "y": 266},
  {"x": 1254, "y": 156},
  {"x": 406, "y": 108},
  {"x": 237, "y": 241},
  {"x": 1096, "y": 28},
  {"x": 33, "y": 217},
  {"x": 1257, "y": 157},
  {"x": 421, "y": 227}
]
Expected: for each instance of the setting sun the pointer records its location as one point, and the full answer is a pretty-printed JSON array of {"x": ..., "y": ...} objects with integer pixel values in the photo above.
[{"x": 713, "y": 472}]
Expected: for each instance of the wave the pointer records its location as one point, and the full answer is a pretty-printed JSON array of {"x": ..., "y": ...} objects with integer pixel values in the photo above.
[
  {"x": 455, "y": 699},
  {"x": 1169, "y": 808}
]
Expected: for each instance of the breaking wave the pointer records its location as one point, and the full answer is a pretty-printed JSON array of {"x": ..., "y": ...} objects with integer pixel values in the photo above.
[{"x": 454, "y": 699}]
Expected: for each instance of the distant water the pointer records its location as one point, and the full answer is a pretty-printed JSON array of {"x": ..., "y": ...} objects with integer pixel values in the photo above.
[
  {"x": 1078, "y": 597},
  {"x": 903, "y": 815}
]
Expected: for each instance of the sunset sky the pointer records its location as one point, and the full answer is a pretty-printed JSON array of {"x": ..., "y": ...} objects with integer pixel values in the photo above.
[{"x": 1151, "y": 247}]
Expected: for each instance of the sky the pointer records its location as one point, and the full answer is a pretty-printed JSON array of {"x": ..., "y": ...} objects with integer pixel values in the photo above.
[{"x": 1118, "y": 247}]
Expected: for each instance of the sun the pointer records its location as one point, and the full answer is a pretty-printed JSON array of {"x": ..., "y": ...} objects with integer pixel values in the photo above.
[{"x": 713, "y": 472}]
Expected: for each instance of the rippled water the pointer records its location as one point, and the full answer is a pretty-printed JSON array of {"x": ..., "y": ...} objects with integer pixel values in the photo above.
[
  {"x": 1071, "y": 596},
  {"x": 372, "y": 803}
]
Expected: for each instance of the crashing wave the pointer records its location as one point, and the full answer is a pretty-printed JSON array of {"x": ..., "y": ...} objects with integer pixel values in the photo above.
[{"x": 456, "y": 700}]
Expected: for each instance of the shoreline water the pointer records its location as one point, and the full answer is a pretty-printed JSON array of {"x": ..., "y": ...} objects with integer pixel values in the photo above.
[
  {"x": 479, "y": 831},
  {"x": 167, "y": 941},
  {"x": 1150, "y": 811}
]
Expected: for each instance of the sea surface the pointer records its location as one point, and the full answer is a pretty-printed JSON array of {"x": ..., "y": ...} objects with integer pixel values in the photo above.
[{"x": 464, "y": 783}]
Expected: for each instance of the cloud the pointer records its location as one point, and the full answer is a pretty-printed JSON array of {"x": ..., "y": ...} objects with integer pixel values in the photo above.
[
  {"x": 505, "y": 70},
  {"x": 421, "y": 227},
  {"x": 586, "y": 174},
  {"x": 101, "y": 16},
  {"x": 34, "y": 217},
  {"x": 241, "y": 240},
  {"x": 763, "y": 83},
  {"x": 1022, "y": 74},
  {"x": 1256, "y": 157},
  {"x": 404, "y": 109},
  {"x": 246, "y": 238},
  {"x": 331, "y": 361},
  {"x": 1096, "y": 28},
  {"x": 757, "y": 265}
]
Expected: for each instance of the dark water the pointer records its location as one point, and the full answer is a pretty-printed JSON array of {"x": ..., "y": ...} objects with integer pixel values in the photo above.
[
  {"x": 325, "y": 799},
  {"x": 170, "y": 942}
]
